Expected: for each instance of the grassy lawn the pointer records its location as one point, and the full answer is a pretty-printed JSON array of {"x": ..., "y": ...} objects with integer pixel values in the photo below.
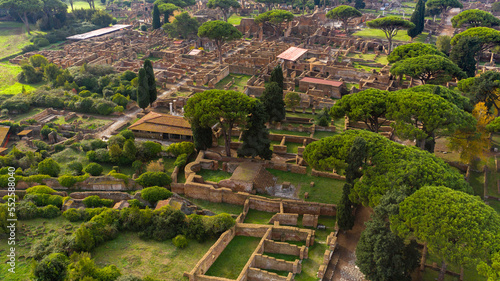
[
  {"x": 469, "y": 273},
  {"x": 83, "y": 5},
  {"x": 68, "y": 155},
  {"x": 169, "y": 165},
  {"x": 325, "y": 190},
  {"x": 31, "y": 112},
  {"x": 382, "y": 59},
  {"x": 150, "y": 258},
  {"x": 234, "y": 19},
  {"x": 259, "y": 217},
  {"x": 301, "y": 115},
  {"x": 240, "y": 81},
  {"x": 215, "y": 176},
  {"x": 217, "y": 208},
  {"x": 234, "y": 257},
  {"x": 495, "y": 205},
  {"x": 90, "y": 123},
  {"x": 311, "y": 265},
  {"x": 286, "y": 132},
  {"x": 13, "y": 37},
  {"x": 401, "y": 36},
  {"x": 320, "y": 135},
  {"x": 35, "y": 228}
]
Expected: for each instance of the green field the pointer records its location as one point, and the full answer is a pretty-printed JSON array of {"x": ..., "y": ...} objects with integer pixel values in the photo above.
[
  {"x": 90, "y": 123},
  {"x": 234, "y": 257},
  {"x": 84, "y": 5},
  {"x": 8, "y": 80},
  {"x": 36, "y": 229},
  {"x": 258, "y": 217},
  {"x": 162, "y": 260},
  {"x": 217, "y": 208},
  {"x": 240, "y": 81},
  {"x": 13, "y": 37},
  {"x": 215, "y": 176},
  {"x": 401, "y": 36},
  {"x": 325, "y": 190},
  {"x": 234, "y": 19}
]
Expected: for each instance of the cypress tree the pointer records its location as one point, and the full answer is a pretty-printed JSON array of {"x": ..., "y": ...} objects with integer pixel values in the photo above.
[
  {"x": 156, "y": 17},
  {"x": 143, "y": 90},
  {"x": 359, "y": 4},
  {"x": 272, "y": 99},
  {"x": 464, "y": 54},
  {"x": 277, "y": 76},
  {"x": 356, "y": 159},
  {"x": 148, "y": 66},
  {"x": 418, "y": 18},
  {"x": 255, "y": 138}
]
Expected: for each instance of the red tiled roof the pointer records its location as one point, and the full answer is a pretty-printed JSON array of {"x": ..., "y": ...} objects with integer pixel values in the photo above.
[
  {"x": 322, "y": 81},
  {"x": 292, "y": 53}
]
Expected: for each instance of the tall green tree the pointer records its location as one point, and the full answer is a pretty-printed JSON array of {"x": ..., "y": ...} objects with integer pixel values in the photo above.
[
  {"x": 202, "y": 137},
  {"x": 458, "y": 227},
  {"x": 274, "y": 19},
  {"x": 272, "y": 100},
  {"x": 412, "y": 50},
  {"x": 443, "y": 44},
  {"x": 156, "y": 17},
  {"x": 440, "y": 6},
  {"x": 359, "y": 4},
  {"x": 464, "y": 54},
  {"x": 150, "y": 74},
  {"x": 390, "y": 26},
  {"x": 220, "y": 32},
  {"x": 482, "y": 89},
  {"x": 418, "y": 19},
  {"x": 224, "y": 6},
  {"x": 22, "y": 8},
  {"x": 277, "y": 76},
  {"x": 227, "y": 108},
  {"x": 344, "y": 14},
  {"x": 255, "y": 137},
  {"x": 428, "y": 67},
  {"x": 488, "y": 37},
  {"x": 183, "y": 26},
  {"x": 143, "y": 89},
  {"x": 426, "y": 116},
  {"x": 474, "y": 18},
  {"x": 366, "y": 106},
  {"x": 389, "y": 165},
  {"x": 167, "y": 9}
]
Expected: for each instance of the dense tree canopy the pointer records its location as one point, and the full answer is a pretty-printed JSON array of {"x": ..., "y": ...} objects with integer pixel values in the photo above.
[
  {"x": 391, "y": 165},
  {"x": 274, "y": 18},
  {"x": 183, "y": 26},
  {"x": 458, "y": 227},
  {"x": 482, "y": 88},
  {"x": 167, "y": 9},
  {"x": 220, "y": 32},
  {"x": 474, "y": 18},
  {"x": 487, "y": 37},
  {"x": 22, "y": 8},
  {"x": 440, "y": 6},
  {"x": 464, "y": 54},
  {"x": 390, "y": 26},
  {"x": 428, "y": 67},
  {"x": 366, "y": 106},
  {"x": 228, "y": 108},
  {"x": 255, "y": 137},
  {"x": 344, "y": 14},
  {"x": 224, "y": 6},
  {"x": 425, "y": 116},
  {"x": 412, "y": 50},
  {"x": 272, "y": 100}
]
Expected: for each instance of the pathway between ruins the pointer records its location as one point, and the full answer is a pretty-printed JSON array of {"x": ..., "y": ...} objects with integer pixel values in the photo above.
[
  {"x": 346, "y": 269},
  {"x": 120, "y": 121},
  {"x": 448, "y": 28}
]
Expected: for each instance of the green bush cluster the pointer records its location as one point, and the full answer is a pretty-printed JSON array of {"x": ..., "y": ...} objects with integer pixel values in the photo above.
[
  {"x": 27, "y": 210},
  {"x": 154, "y": 179},
  {"x": 181, "y": 148},
  {"x": 180, "y": 241},
  {"x": 40, "y": 189},
  {"x": 95, "y": 201},
  {"x": 69, "y": 181},
  {"x": 181, "y": 160},
  {"x": 82, "y": 214},
  {"x": 154, "y": 194},
  {"x": 41, "y": 199}
]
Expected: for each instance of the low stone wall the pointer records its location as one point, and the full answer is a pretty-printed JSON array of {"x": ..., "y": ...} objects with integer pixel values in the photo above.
[
  {"x": 102, "y": 183},
  {"x": 115, "y": 196},
  {"x": 322, "y": 174},
  {"x": 22, "y": 193},
  {"x": 285, "y": 219},
  {"x": 274, "y": 247},
  {"x": 266, "y": 262},
  {"x": 256, "y": 274}
]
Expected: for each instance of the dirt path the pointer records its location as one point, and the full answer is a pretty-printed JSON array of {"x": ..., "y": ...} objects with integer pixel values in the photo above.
[
  {"x": 346, "y": 269},
  {"x": 448, "y": 28},
  {"x": 120, "y": 121}
]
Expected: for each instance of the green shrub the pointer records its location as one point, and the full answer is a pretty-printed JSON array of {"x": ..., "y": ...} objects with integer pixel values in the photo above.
[
  {"x": 41, "y": 42},
  {"x": 49, "y": 212},
  {"x": 59, "y": 147},
  {"x": 69, "y": 181},
  {"x": 180, "y": 241},
  {"x": 181, "y": 160},
  {"x": 16, "y": 198},
  {"x": 216, "y": 225},
  {"x": 51, "y": 268},
  {"x": 35, "y": 178},
  {"x": 94, "y": 169},
  {"x": 123, "y": 177},
  {"x": 155, "y": 193},
  {"x": 154, "y": 179},
  {"x": 92, "y": 212},
  {"x": 49, "y": 167},
  {"x": 181, "y": 148},
  {"x": 95, "y": 201},
  {"x": 26, "y": 210},
  {"x": 40, "y": 189},
  {"x": 135, "y": 203},
  {"x": 74, "y": 215}
]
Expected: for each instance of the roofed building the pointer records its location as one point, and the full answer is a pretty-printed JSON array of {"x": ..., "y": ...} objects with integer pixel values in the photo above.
[
  {"x": 322, "y": 87},
  {"x": 4, "y": 132},
  {"x": 163, "y": 126}
]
